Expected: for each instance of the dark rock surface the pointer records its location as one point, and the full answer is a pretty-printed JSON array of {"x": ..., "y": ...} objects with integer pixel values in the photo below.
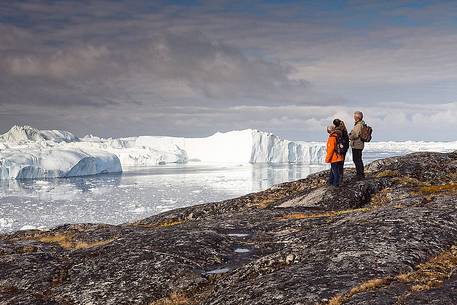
[{"x": 388, "y": 239}]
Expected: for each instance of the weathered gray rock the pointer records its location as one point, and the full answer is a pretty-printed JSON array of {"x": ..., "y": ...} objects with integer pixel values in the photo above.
[{"x": 367, "y": 242}]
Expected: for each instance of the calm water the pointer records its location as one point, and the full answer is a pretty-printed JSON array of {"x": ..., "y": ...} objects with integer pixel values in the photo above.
[{"x": 135, "y": 194}]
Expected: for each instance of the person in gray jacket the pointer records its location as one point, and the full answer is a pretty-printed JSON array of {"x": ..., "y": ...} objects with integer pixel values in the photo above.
[{"x": 357, "y": 144}]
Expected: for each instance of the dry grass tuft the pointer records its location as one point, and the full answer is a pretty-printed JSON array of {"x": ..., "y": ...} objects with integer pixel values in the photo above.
[
  {"x": 165, "y": 223},
  {"x": 363, "y": 287},
  {"x": 432, "y": 273},
  {"x": 370, "y": 285},
  {"x": 428, "y": 275},
  {"x": 66, "y": 241},
  {"x": 408, "y": 181},
  {"x": 453, "y": 177},
  {"x": 170, "y": 223},
  {"x": 175, "y": 298},
  {"x": 268, "y": 198},
  {"x": 381, "y": 198},
  {"x": 27, "y": 249},
  {"x": 387, "y": 173},
  {"x": 439, "y": 188},
  {"x": 8, "y": 289},
  {"x": 321, "y": 215},
  {"x": 336, "y": 300}
]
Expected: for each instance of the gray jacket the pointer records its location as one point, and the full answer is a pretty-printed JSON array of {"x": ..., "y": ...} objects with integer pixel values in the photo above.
[{"x": 354, "y": 136}]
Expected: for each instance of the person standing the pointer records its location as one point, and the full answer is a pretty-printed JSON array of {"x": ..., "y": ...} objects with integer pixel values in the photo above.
[
  {"x": 344, "y": 142},
  {"x": 357, "y": 144},
  {"x": 333, "y": 157}
]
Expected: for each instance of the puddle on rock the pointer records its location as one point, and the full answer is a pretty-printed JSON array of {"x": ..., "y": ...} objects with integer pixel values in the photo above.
[
  {"x": 242, "y": 250},
  {"x": 238, "y": 234},
  {"x": 218, "y": 271}
]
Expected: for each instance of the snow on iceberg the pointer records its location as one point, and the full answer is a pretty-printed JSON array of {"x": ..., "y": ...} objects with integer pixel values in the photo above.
[
  {"x": 18, "y": 134},
  {"x": 138, "y": 151}
]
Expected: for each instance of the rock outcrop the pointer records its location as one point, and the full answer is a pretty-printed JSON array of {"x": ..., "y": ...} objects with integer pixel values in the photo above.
[{"x": 388, "y": 239}]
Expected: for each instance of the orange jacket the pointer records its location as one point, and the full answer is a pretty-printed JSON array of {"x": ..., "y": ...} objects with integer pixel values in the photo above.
[{"x": 332, "y": 156}]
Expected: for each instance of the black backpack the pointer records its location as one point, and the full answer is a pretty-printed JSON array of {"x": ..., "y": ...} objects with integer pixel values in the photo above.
[{"x": 342, "y": 145}]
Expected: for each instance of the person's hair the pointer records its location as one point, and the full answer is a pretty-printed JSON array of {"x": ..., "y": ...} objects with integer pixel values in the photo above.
[
  {"x": 359, "y": 114},
  {"x": 339, "y": 124},
  {"x": 331, "y": 128}
]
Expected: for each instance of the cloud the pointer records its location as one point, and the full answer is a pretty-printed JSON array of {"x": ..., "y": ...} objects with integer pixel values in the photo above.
[
  {"x": 123, "y": 68},
  {"x": 61, "y": 64},
  {"x": 168, "y": 65}
]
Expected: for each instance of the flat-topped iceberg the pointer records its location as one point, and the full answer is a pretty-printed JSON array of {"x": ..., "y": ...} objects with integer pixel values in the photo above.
[
  {"x": 26, "y": 152},
  {"x": 56, "y": 162}
]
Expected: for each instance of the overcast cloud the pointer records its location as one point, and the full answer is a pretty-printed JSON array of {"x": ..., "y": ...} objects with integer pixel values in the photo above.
[{"x": 191, "y": 68}]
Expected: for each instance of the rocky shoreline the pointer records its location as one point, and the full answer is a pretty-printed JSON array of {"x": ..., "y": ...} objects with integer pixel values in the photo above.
[{"x": 389, "y": 239}]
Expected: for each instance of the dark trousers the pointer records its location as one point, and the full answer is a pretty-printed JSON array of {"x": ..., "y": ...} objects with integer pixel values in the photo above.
[
  {"x": 341, "y": 170},
  {"x": 334, "y": 178},
  {"x": 357, "y": 158}
]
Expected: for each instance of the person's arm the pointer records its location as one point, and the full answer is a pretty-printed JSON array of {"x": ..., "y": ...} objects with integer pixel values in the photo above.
[{"x": 331, "y": 144}]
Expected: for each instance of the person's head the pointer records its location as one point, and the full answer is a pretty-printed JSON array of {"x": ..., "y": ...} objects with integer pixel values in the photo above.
[
  {"x": 331, "y": 128},
  {"x": 339, "y": 124},
  {"x": 358, "y": 116}
]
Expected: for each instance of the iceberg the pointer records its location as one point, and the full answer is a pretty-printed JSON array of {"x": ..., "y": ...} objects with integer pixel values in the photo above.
[
  {"x": 20, "y": 134},
  {"x": 239, "y": 146},
  {"x": 26, "y": 152},
  {"x": 53, "y": 163}
]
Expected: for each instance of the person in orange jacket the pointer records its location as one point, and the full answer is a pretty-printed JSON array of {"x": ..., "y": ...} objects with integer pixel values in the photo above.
[{"x": 333, "y": 157}]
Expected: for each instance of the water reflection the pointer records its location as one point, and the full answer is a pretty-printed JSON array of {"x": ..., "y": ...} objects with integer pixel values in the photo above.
[
  {"x": 135, "y": 194},
  {"x": 57, "y": 189}
]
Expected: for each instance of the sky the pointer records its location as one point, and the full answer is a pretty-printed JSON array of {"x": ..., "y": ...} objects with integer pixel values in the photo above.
[{"x": 192, "y": 68}]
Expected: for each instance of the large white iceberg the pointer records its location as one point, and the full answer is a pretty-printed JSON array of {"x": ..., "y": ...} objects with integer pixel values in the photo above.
[
  {"x": 51, "y": 163},
  {"x": 26, "y": 152}
]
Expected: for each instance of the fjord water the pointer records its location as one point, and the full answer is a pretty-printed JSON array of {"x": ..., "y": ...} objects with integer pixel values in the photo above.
[{"x": 137, "y": 193}]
